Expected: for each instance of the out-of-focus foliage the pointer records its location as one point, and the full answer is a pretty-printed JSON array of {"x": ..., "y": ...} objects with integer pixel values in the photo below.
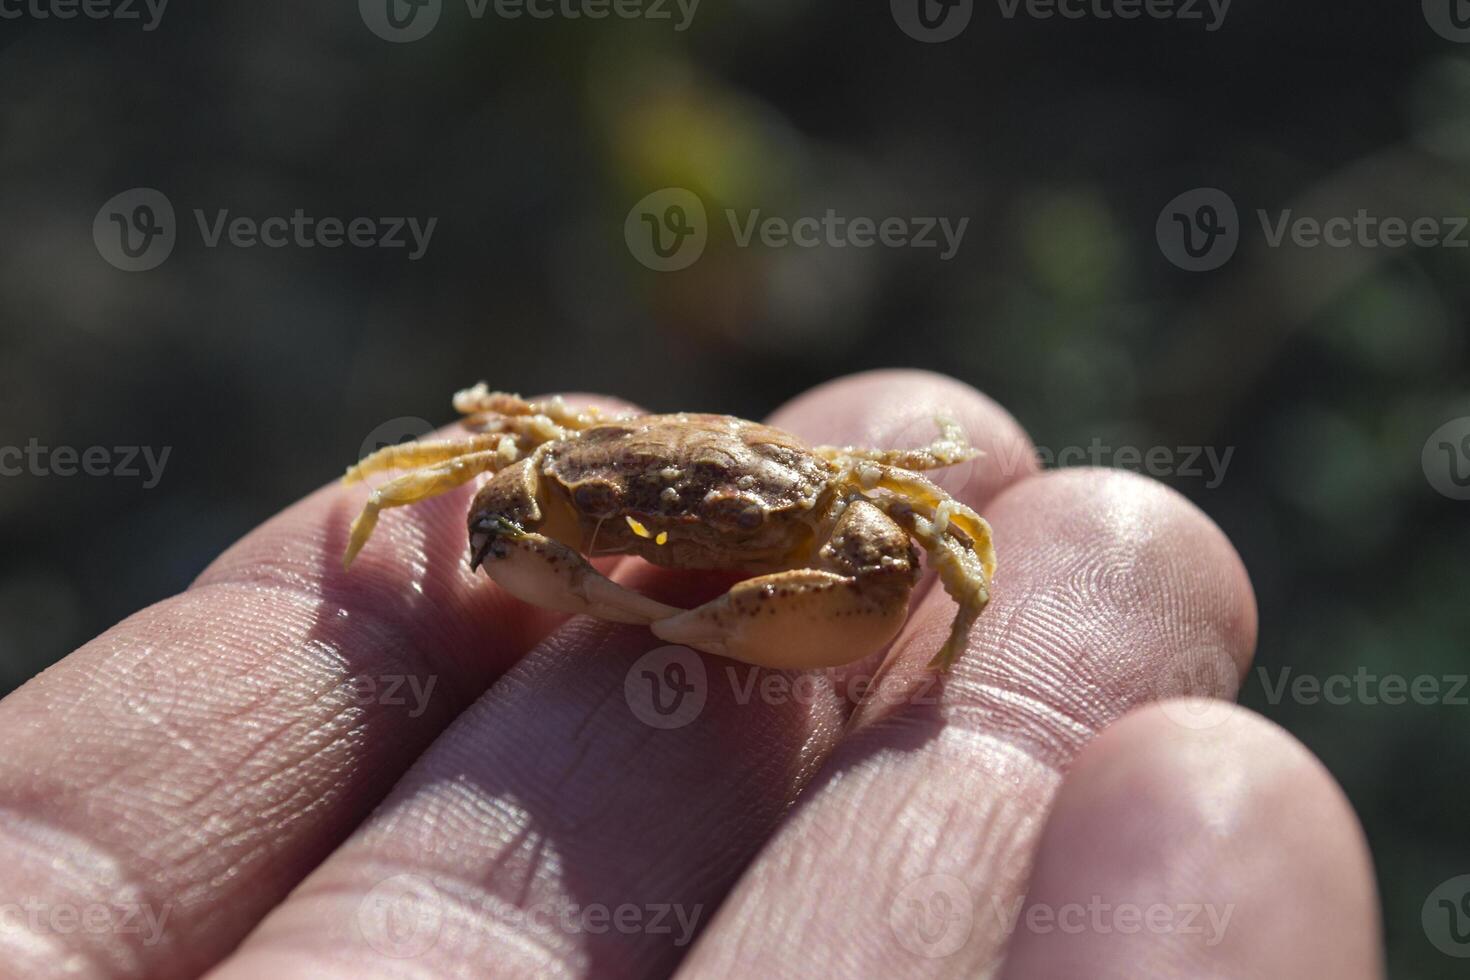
[{"x": 1325, "y": 369}]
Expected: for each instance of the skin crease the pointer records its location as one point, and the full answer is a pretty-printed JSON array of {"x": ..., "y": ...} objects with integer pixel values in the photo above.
[{"x": 215, "y": 752}]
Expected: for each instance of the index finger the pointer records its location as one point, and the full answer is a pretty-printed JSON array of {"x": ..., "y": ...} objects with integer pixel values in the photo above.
[{"x": 187, "y": 767}]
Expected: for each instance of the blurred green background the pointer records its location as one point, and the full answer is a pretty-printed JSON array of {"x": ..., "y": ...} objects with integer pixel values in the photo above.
[{"x": 1326, "y": 369}]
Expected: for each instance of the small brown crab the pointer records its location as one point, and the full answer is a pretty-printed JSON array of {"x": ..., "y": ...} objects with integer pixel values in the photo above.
[{"x": 828, "y": 532}]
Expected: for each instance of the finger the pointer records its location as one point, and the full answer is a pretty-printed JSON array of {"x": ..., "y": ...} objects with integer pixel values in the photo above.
[
  {"x": 899, "y": 408},
  {"x": 1108, "y": 585},
  {"x": 584, "y": 817},
  {"x": 1222, "y": 851},
  {"x": 191, "y": 764}
]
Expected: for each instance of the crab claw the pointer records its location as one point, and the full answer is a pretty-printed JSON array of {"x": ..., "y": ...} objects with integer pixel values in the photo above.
[
  {"x": 546, "y": 573},
  {"x": 802, "y": 619}
]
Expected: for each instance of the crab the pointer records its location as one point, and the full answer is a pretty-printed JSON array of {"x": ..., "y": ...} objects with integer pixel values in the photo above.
[{"x": 828, "y": 533}]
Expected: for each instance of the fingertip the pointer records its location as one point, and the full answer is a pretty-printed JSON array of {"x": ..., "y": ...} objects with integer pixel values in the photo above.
[
  {"x": 897, "y": 407},
  {"x": 1145, "y": 539},
  {"x": 1228, "y": 848}
]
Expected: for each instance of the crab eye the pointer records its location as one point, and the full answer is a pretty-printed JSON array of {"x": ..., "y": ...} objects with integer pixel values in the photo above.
[{"x": 596, "y": 498}]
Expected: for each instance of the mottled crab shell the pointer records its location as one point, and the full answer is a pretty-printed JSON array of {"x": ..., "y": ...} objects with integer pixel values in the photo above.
[{"x": 727, "y": 492}]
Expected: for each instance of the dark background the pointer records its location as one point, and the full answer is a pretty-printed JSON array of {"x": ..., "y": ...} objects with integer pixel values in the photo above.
[{"x": 265, "y": 370}]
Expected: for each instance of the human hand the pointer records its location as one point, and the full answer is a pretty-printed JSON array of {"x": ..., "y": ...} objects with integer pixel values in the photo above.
[{"x": 401, "y": 771}]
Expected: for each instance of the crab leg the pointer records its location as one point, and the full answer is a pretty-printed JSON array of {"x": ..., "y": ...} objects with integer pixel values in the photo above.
[
  {"x": 410, "y": 455},
  {"x": 949, "y": 515},
  {"x": 812, "y": 617},
  {"x": 964, "y": 559},
  {"x": 965, "y": 575},
  {"x": 950, "y": 448},
  {"x": 420, "y": 484},
  {"x": 516, "y": 426},
  {"x": 548, "y": 420}
]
